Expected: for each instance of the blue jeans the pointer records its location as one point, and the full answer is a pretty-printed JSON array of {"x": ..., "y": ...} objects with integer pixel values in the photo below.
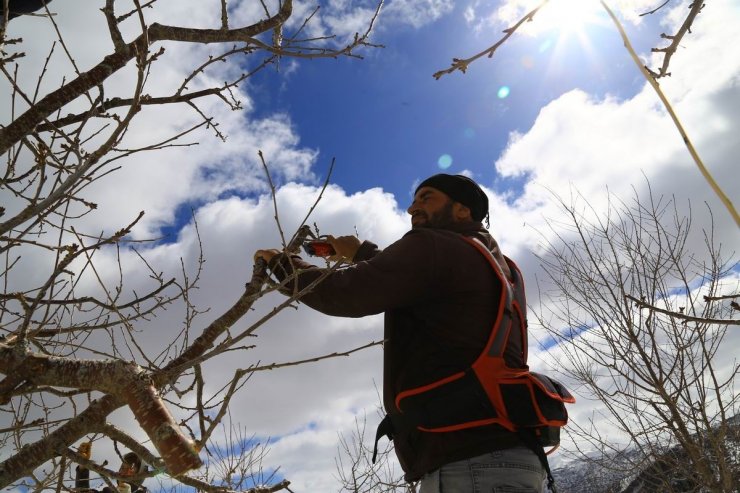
[{"x": 514, "y": 470}]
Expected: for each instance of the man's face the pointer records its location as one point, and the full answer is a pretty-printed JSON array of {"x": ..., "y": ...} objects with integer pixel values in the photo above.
[
  {"x": 126, "y": 469},
  {"x": 431, "y": 209}
]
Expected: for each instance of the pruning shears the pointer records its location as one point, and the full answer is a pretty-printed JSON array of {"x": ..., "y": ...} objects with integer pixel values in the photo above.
[{"x": 319, "y": 247}]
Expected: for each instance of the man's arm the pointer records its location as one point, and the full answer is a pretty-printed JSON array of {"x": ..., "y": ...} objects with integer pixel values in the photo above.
[
  {"x": 351, "y": 249},
  {"x": 398, "y": 276},
  {"x": 347, "y": 248}
]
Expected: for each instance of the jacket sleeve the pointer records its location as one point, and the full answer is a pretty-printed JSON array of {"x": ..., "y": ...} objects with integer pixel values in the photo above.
[
  {"x": 366, "y": 251},
  {"x": 398, "y": 276}
]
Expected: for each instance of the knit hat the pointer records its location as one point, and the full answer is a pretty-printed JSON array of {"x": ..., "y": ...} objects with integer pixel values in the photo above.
[{"x": 460, "y": 189}]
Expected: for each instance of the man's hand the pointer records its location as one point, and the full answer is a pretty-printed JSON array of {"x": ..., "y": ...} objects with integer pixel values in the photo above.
[
  {"x": 85, "y": 450},
  {"x": 266, "y": 255},
  {"x": 345, "y": 246}
]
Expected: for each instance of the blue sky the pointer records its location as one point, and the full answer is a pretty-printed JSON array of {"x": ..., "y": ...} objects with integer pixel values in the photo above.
[
  {"x": 388, "y": 121},
  {"x": 578, "y": 117}
]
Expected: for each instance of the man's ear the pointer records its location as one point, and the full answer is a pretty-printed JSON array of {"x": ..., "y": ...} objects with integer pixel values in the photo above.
[{"x": 461, "y": 212}]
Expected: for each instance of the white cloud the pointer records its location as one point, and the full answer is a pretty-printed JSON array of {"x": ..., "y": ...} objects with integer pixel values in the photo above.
[
  {"x": 274, "y": 403},
  {"x": 418, "y": 13},
  {"x": 561, "y": 14},
  {"x": 577, "y": 137},
  {"x": 469, "y": 14},
  {"x": 591, "y": 143},
  {"x": 281, "y": 403},
  {"x": 577, "y": 140},
  {"x": 302, "y": 409},
  {"x": 345, "y": 18},
  {"x": 158, "y": 182}
]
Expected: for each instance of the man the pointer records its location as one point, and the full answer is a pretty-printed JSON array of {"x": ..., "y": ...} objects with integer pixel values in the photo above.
[
  {"x": 441, "y": 298},
  {"x": 131, "y": 465}
]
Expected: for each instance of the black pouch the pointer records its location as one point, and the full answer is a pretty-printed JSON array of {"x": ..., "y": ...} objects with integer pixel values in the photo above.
[
  {"x": 452, "y": 404},
  {"x": 548, "y": 436}
]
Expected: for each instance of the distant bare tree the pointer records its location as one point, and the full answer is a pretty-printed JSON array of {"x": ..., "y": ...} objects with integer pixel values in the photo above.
[
  {"x": 639, "y": 315},
  {"x": 359, "y": 473},
  {"x": 71, "y": 354}
]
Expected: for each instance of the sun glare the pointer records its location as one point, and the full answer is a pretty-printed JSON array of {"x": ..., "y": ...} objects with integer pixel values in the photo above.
[{"x": 566, "y": 16}]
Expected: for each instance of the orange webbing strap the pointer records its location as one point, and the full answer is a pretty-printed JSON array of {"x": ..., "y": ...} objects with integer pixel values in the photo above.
[{"x": 500, "y": 331}]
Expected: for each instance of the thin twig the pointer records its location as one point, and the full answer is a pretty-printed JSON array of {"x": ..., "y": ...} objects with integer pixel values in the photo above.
[
  {"x": 273, "y": 193},
  {"x": 669, "y": 51},
  {"x": 655, "y": 9},
  {"x": 682, "y": 316},
  {"x": 274, "y": 366},
  {"x": 651, "y": 80},
  {"x": 718, "y": 298},
  {"x": 462, "y": 64}
]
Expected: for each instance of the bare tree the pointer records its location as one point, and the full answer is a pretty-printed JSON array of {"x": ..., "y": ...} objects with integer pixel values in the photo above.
[
  {"x": 639, "y": 310},
  {"x": 361, "y": 468},
  {"x": 72, "y": 347}
]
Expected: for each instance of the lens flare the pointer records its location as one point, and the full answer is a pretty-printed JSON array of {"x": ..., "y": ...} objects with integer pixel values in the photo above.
[
  {"x": 503, "y": 92},
  {"x": 444, "y": 161}
]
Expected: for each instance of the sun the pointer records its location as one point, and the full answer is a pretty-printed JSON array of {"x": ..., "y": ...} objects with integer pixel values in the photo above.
[{"x": 566, "y": 17}]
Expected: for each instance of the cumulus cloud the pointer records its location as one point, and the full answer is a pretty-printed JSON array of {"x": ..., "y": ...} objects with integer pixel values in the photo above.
[
  {"x": 562, "y": 16},
  {"x": 591, "y": 143},
  {"x": 198, "y": 167},
  {"x": 342, "y": 19},
  {"x": 577, "y": 139},
  {"x": 232, "y": 227},
  {"x": 558, "y": 14},
  {"x": 300, "y": 410},
  {"x": 418, "y": 13}
]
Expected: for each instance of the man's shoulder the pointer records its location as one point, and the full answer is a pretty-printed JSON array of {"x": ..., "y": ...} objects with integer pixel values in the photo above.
[
  {"x": 424, "y": 245},
  {"x": 446, "y": 245},
  {"x": 432, "y": 234},
  {"x": 445, "y": 237}
]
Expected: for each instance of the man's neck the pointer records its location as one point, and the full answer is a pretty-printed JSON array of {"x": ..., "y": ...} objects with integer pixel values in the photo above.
[{"x": 464, "y": 226}]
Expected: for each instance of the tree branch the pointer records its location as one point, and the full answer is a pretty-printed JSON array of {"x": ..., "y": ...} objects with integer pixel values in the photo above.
[
  {"x": 119, "y": 102},
  {"x": 682, "y": 316},
  {"x": 274, "y": 366},
  {"x": 670, "y": 50},
  {"x": 28, "y": 121},
  {"x": 462, "y": 64},
  {"x": 203, "y": 486},
  {"x": 116, "y": 377}
]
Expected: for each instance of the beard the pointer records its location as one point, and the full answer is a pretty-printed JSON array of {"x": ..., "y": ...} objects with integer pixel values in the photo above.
[{"x": 442, "y": 219}]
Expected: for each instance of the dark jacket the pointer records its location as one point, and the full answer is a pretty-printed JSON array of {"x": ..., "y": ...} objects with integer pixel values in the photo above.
[{"x": 440, "y": 298}]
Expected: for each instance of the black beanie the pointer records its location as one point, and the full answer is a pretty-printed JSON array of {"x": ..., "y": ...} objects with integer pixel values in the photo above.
[{"x": 460, "y": 189}]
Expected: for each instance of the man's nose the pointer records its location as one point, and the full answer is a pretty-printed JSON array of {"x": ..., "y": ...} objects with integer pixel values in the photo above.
[{"x": 412, "y": 208}]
